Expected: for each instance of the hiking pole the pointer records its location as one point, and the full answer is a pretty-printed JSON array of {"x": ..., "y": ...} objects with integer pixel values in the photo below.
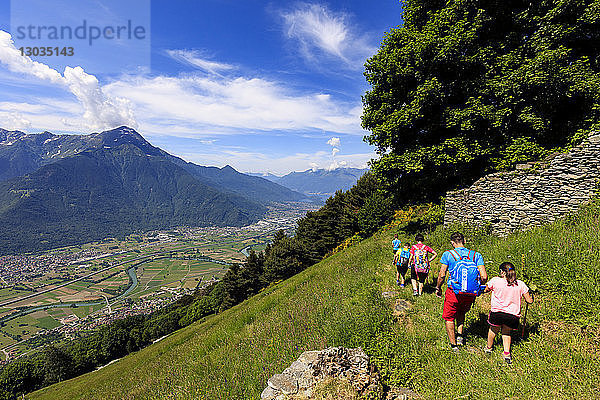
[
  {"x": 527, "y": 304},
  {"x": 524, "y": 321}
]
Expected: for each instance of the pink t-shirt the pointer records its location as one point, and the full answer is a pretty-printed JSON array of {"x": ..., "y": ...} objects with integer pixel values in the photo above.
[
  {"x": 506, "y": 298},
  {"x": 421, "y": 246}
]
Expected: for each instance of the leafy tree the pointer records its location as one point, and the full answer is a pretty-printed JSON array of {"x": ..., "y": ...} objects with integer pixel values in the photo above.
[
  {"x": 465, "y": 87},
  {"x": 322, "y": 230},
  {"x": 285, "y": 258},
  {"x": 253, "y": 273},
  {"x": 58, "y": 364},
  {"x": 376, "y": 211}
]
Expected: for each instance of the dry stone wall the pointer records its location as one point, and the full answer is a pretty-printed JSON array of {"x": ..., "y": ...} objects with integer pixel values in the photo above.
[{"x": 531, "y": 195}]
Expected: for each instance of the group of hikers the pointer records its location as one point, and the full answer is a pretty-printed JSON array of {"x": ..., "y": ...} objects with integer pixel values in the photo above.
[{"x": 467, "y": 279}]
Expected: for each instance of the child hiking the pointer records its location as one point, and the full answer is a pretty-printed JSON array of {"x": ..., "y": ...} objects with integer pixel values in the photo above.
[
  {"x": 466, "y": 274},
  {"x": 419, "y": 262},
  {"x": 505, "y": 312},
  {"x": 401, "y": 263},
  {"x": 396, "y": 243}
]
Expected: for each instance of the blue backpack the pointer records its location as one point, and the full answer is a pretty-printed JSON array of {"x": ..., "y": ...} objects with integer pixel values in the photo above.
[{"x": 464, "y": 279}]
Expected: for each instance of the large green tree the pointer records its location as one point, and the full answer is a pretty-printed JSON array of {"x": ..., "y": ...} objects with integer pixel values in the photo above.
[{"x": 466, "y": 87}]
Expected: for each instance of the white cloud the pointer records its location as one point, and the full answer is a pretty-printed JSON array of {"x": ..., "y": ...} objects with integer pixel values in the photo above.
[
  {"x": 15, "y": 121},
  {"x": 191, "y": 106},
  {"x": 320, "y": 30},
  {"x": 12, "y": 57},
  {"x": 342, "y": 164},
  {"x": 334, "y": 151},
  {"x": 218, "y": 105},
  {"x": 334, "y": 142},
  {"x": 193, "y": 58},
  {"x": 42, "y": 114},
  {"x": 100, "y": 111}
]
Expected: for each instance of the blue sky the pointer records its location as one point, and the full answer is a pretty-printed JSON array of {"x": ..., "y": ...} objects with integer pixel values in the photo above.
[{"x": 263, "y": 86}]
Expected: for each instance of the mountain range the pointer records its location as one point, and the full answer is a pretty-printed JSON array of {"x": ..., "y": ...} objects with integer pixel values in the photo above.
[
  {"x": 66, "y": 189},
  {"x": 319, "y": 183}
]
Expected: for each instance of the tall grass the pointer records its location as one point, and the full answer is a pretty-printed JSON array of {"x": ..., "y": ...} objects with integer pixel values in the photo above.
[
  {"x": 338, "y": 302},
  {"x": 231, "y": 355}
]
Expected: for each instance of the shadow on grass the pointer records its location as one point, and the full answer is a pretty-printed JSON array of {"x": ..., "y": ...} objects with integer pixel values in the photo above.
[
  {"x": 480, "y": 327},
  {"x": 429, "y": 289}
]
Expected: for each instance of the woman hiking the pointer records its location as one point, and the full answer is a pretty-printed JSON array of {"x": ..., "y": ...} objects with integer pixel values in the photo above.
[{"x": 505, "y": 312}]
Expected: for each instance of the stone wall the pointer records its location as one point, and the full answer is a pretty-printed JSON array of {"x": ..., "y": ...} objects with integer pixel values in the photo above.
[{"x": 533, "y": 194}]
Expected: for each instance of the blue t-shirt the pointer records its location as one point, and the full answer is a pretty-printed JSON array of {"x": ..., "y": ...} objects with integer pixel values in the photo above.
[
  {"x": 450, "y": 260},
  {"x": 396, "y": 243}
]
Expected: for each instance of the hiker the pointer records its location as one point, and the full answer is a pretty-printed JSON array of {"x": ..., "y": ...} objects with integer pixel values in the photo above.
[
  {"x": 420, "y": 262},
  {"x": 401, "y": 263},
  {"x": 505, "y": 312},
  {"x": 466, "y": 274},
  {"x": 396, "y": 243}
]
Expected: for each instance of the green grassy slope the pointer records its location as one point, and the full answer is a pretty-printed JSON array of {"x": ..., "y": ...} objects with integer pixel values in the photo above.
[{"x": 338, "y": 302}]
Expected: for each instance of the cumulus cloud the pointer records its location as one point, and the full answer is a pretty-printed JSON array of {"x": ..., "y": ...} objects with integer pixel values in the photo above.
[
  {"x": 100, "y": 111},
  {"x": 193, "y": 58},
  {"x": 334, "y": 151},
  {"x": 319, "y": 30},
  {"x": 334, "y": 142},
  {"x": 12, "y": 57}
]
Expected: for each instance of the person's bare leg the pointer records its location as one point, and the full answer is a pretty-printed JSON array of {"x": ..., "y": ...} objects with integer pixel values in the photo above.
[
  {"x": 420, "y": 288},
  {"x": 414, "y": 284},
  {"x": 460, "y": 323},
  {"x": 506, "y": 338},
  {"x": 450, "y": 331},
  {"x": 492, "y": 335}
]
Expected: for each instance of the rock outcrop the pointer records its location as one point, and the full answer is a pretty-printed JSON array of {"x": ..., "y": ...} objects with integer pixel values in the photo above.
[
  {"x": 300, "y": 378},
  {"x": 533, "y": 194}
]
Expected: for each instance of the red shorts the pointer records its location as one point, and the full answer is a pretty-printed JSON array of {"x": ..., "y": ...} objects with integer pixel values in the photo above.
[{"x": 456, "y": 305}]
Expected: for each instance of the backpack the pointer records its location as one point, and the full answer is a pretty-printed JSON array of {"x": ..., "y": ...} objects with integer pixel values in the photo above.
[
  {"x": 405, "y": 254},
  {"x": 421, "y": 259},
  {"x": 464, "y": 279}
]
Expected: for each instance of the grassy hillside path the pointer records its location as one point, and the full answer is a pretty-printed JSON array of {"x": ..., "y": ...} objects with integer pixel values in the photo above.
[{"x": 338, "y": 302}]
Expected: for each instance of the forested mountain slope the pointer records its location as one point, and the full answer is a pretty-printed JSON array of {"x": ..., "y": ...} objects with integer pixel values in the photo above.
[{"x": 109, "y": 191}]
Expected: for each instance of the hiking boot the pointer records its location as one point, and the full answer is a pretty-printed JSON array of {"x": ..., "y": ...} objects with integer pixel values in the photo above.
[
  {"x": 454, "y": 349},
  {"x": 507, "y": 358},
  {"x": 487, "y": 350},
  {"x": 402, "y": 285},
  {"x": 460, "y": 341},
  {"x": 415, "y": 293}
]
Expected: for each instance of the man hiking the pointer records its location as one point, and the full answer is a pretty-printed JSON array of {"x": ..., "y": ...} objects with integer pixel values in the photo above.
[{"x": 466, "y": 274}]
